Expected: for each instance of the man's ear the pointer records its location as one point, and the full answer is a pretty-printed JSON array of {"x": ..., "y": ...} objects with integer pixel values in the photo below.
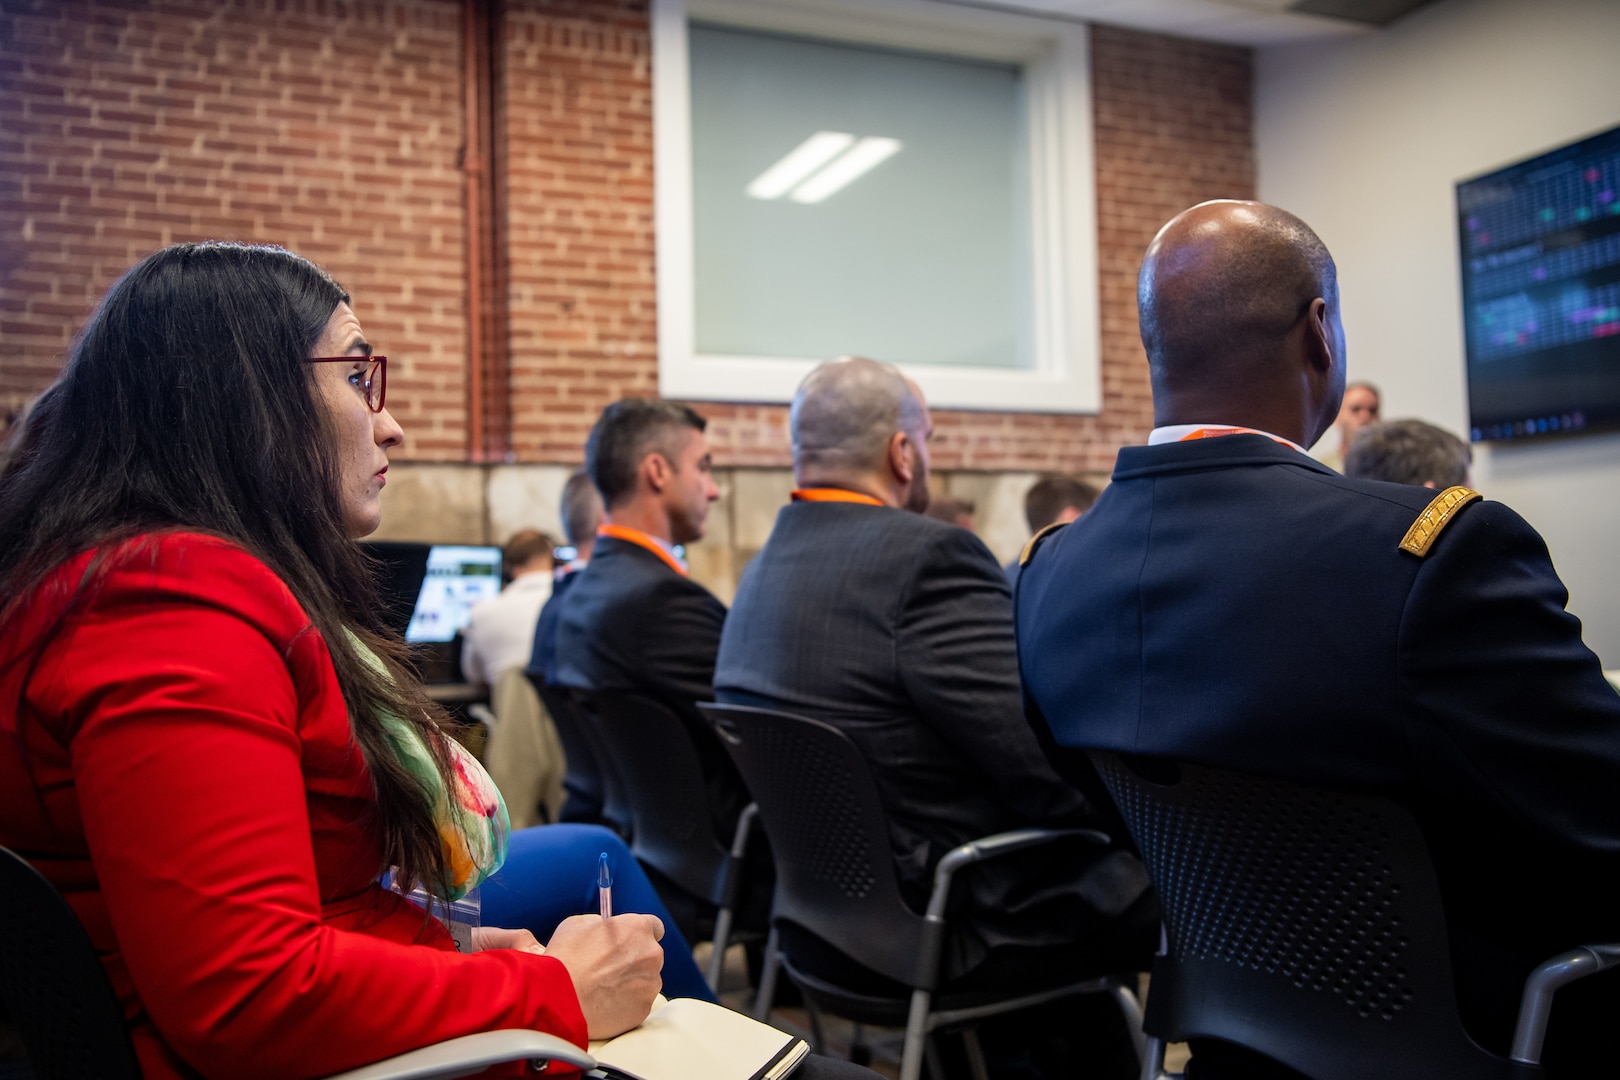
[
  {"x": 1319, "y": 339},
  {"x": 655, "y": 471},
  {"x": 902, "y": 457}
]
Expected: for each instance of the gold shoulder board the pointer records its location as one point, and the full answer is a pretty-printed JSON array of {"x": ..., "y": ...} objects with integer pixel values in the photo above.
[
  {"x": 1436, "y": 516},
  {"x": 1035, "y": 542}
]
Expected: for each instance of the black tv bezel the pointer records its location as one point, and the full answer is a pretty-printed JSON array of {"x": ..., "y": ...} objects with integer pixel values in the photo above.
[{"x": 1603, "y": 423}]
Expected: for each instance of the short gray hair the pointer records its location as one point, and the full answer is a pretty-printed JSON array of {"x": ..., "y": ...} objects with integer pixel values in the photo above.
[
  {"x": 1408, "y": 452},
  {"x": 845, "y": 412}
]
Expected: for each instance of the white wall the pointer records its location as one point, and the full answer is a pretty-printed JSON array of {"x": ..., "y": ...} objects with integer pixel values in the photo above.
[{"x": 1364, "y": 139}]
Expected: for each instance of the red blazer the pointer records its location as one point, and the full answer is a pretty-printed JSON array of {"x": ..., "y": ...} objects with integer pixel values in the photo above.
[{"x": 178, "y": 761}]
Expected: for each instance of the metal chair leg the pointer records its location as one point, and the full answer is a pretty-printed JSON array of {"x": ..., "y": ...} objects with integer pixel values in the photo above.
[
  {"x": 767, "y": 977},
  {"x": 717, "y": 958},
  {"x": 1132, "y": 1011},
  {"x": 916, "y": 1035},
  {"x": 975, "y": 1054},
  {"x": 1153, "y": 1061},
  {"x": 818, "y": 1041}
]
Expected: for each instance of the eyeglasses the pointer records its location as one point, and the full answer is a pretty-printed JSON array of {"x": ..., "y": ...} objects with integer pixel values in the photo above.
[{"x": 374, "y": 380}]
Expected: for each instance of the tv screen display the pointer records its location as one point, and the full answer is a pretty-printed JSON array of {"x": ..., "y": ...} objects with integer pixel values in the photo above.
[{"x": 1541, "y": 292}]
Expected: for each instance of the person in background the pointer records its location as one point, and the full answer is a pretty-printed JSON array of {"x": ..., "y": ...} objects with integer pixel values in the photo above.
[
  {"x": 897, "y": 629},
  {"x": 1052, "y": 500},
  {"x": 581, "y": 516},
  {"x": 1410, "y": 452},
  {"x": 1359, "y": 408},
  {"x": 522, "y": 754},
  {"x": 958, "y": 512},
  {"x": 500, "y": 631},
  {"x": 633, "y": 621},
  {"x": 1231, "y": 601},
  {"x": 210, "y": 743}
]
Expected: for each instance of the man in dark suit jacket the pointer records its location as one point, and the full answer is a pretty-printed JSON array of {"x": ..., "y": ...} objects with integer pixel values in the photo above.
[
  {"x": 1231, "y": 602},
  {"x": 632, "y": 620},
  {"x": 897, "y": 629}
]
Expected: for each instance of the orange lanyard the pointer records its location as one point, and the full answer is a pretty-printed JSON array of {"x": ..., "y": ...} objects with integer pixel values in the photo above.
[
  {"x": 834, "y": 495},
  {"x": 641, "y": 539},
  {"x": 1217, "y": 432}
]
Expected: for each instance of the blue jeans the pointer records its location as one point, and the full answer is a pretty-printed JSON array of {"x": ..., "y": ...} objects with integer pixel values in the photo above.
[{"x": 550, "y": 874}]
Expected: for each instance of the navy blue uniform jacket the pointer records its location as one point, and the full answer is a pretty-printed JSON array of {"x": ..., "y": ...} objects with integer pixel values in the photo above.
[{"x": 1233, "y": 603}]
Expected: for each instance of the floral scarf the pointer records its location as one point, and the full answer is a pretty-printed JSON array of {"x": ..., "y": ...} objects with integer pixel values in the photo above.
[{"x": 472, "y": 820}]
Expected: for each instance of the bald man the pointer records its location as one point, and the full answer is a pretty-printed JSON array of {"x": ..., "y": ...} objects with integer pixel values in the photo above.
[
  {"x": 1230, "y": 601},
  {"x": 897, "y": 629}
]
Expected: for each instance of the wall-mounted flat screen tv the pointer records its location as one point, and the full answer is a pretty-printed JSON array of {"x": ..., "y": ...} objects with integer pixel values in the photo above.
[{"x": 1541, "y": 292}]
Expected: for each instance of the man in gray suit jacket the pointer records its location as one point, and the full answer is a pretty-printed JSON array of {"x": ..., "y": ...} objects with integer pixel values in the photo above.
[{"x": 898, "y": 630}]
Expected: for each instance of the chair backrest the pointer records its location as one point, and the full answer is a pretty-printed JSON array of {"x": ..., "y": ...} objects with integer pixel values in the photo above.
[
  {"x": 1304, "y": 924},
  {"x": 587, "y": 773},
  {"x": 829, "y": 834},
  {"x": 53, "y": 983},
  {"x": 671, "y": 828}
]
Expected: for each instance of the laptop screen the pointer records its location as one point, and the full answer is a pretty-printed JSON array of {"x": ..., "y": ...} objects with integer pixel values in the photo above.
[{"x": 457, "y": 577}]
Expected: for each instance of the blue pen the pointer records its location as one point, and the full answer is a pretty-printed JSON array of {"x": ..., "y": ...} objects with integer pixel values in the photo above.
[{"x": 604, "y": 887}]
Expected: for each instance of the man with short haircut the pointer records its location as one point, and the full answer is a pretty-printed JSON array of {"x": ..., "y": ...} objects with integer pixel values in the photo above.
[
  {"x": 581, "y": 512},
  {"x": 1229, "y": 601},
  {"x": 1410, "y": 452},
  {"x": 897, "y": 629},
  {"x": 1052, "y": 500},
  {"x": 500, "y": 631},
  {"x": 633, "y": 621},
  {"x": 522, "y": 755}
]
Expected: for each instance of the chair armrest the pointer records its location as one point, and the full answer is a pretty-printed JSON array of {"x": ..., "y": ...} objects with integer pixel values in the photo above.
[
  {"x": 989, "y": 847},
  {"x": 473, "y": 1054},
  {"x": 1536, "y": 1005},
  {"x": 976, "y": 851}
]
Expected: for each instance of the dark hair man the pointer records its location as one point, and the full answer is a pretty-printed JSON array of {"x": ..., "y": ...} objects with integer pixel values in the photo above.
[
  {"x": 958, "y": 512},
  {"x": 581, "y": 512},
  {"x": 896, "y": 628},
  {"x": 1052, "y": 500},
  {"x": 1233, "y": 602},
  {"x": 522, "y": 754},
  {"x": 500, "y": 630},
  {"x": 1410, "y": 452},
  {"x": 633, "y": 620}
]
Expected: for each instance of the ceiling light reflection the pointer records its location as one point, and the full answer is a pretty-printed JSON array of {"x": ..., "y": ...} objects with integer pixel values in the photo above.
[
  {"x": 803, "y": 160},
  {"x": 862, "y": 158}
]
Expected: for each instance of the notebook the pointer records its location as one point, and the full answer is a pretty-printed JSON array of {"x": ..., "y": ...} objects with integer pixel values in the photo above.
[{"x": 690, "y": 1039}]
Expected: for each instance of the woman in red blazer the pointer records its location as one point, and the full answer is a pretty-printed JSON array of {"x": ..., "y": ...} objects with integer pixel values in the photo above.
[{"x": 208, "y": 741}]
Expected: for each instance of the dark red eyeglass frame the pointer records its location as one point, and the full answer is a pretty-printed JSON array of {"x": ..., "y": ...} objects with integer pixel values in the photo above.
[{"x": 377, "y": 374}]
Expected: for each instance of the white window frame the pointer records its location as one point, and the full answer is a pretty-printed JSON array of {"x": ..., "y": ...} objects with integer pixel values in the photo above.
[{"x": 1056, "y": 58}]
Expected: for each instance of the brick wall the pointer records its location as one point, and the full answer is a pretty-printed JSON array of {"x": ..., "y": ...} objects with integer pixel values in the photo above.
[
  {"x": 1173, "y": 128},
  {"x": 334, "y": 127},
  {"x": 330, "y": 126},
  {"x": 580, "y": 217}
]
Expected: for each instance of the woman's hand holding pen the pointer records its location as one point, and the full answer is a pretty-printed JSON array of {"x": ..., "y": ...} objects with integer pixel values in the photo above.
[{"x": 615, "y": 965}]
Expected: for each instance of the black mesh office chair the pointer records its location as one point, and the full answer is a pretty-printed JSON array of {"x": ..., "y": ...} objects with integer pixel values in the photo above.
[
  {"x": 671, "y": 829},
  {"x": 70, "y": 1022},
  {"x": 595, "y": 794},
  {"x": 835, "y": 881},
  {"x": 1307, "y": 925}
]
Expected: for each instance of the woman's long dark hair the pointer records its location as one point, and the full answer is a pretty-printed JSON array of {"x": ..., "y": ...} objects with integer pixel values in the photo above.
[{"x": 186, "y": 404}]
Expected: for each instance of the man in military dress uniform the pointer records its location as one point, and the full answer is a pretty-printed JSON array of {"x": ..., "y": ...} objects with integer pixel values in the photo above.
[{"x": 1231, "y": 602}]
